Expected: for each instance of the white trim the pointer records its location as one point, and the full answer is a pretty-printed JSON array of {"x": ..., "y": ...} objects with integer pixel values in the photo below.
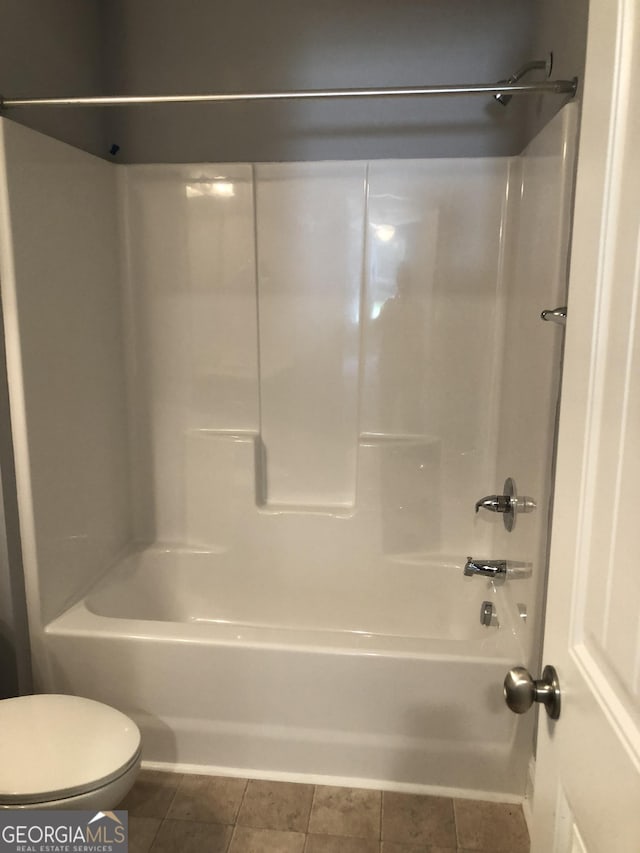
[
  {"x": 529, "y": 791},
  {"x": 338, "y": 781}
]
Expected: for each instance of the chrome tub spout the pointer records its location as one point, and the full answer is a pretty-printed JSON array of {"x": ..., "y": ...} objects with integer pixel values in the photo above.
[{"x": 486, "y": 568}]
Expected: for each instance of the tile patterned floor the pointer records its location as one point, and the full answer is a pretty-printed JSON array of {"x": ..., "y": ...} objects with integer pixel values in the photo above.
[{"x": 172, "y": 813}]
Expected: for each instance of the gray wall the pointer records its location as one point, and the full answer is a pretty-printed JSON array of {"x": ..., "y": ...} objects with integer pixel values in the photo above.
[
  {"x": 54, "y": 47},
  {"x": 160, "y": 46}
]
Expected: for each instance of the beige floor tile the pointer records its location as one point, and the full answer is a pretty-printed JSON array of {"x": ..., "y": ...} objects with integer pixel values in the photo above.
[
  {"x": 395, "y": 847},
  {"x": 247, "y": 840},
  {"x": 345, "y": 811},
  {"x": 414, "y": 819},
  {"x": 276, "y": 805},
  {"x": 152, "y": 794},
  {"x": 142, "y": 831},
  {"x": 498, "y": 827},
  {"x": 213, "y": 799},
  {"x": 341, "y": 844},
  {"x": 190, "y": 836}
]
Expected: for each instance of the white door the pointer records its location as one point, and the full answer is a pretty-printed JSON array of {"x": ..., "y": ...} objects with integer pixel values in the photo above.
[{"x": 587, "y": 787}]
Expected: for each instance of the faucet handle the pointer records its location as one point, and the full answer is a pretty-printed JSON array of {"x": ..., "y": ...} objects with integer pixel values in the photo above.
[
  {"x": 508, "y": 503},
  {"x": 495, "y": 503}
]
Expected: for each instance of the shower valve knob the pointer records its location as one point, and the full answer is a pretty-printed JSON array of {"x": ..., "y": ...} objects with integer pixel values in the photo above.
[
  {"x": 494, "y": 503},
  {"x": 508, "y": 503}
]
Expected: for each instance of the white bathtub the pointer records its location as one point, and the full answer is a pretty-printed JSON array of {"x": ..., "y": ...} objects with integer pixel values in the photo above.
[{"x": 375, "y": 684}]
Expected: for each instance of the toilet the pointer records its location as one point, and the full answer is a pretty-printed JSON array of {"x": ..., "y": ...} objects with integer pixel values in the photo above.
[{"x": 65, "y": 752}]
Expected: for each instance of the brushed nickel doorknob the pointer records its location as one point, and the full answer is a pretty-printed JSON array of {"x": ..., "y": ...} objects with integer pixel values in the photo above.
[{"x": 521, "y": 690}]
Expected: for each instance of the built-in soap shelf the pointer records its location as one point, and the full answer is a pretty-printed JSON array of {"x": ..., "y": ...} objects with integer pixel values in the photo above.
[
  {"x": 395, "y": 494},
  {"x": 333, "y": 510}
]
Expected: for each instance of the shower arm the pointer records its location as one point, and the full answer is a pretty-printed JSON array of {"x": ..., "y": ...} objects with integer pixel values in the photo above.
[
  {"x": 536, "y": 65},
  {"x": 503, "y": 97}
]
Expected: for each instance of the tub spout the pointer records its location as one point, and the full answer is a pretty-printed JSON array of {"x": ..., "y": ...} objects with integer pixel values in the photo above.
[{"x": 486, "y": 568}]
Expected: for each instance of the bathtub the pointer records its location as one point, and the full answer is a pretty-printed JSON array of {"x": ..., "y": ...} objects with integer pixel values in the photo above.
[{"x": 375, "y": 684}]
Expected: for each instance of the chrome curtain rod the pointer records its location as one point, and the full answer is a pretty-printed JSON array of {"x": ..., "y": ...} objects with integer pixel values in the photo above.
[{"x": 552, "y": 87}]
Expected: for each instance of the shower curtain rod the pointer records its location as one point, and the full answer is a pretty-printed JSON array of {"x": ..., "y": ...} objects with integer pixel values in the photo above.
[{"x": 553, "y": 87}]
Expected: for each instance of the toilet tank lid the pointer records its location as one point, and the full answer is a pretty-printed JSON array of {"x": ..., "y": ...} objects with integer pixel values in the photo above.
[{"x": 55, "y": 745}]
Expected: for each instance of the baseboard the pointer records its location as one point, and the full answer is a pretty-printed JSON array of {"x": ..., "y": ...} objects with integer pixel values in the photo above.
[{"x": 338, "y": 781}]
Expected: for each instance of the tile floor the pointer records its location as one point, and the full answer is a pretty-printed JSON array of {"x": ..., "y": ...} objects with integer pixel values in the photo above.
[{"x": 172, "y": 813}]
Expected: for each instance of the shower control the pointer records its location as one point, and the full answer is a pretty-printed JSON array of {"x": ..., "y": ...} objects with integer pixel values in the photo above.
[
  {"x": 487, "y": 613},
  {"x": 486, "y": 568},
  {"x": 521, "y": 690},
  {"x": 508, "y": 503},
  {"x": 555, "y": 315},
  {"x": 494, "y": 503}
]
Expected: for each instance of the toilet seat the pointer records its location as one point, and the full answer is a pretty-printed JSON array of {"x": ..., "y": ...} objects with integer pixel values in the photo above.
[{"x": 54, "y": 747}]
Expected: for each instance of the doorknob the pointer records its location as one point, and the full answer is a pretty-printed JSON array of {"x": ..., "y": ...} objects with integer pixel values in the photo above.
[{"x": 521, "y": 690}]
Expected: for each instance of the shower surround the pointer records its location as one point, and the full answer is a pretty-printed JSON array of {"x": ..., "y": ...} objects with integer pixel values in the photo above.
[
  {"x": 291, "y": 325},
  {"x": 253, "y": 407}
]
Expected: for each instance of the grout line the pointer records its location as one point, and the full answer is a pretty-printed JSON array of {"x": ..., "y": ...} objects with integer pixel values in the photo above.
[
  {"x": 381, "y": 810},
  {"x": 175, "y": 794},
  {"x": 313, "y": 801},
  {"x": 231, "y": 837},
  {"x": 242, "y": 799},
  {"x": 155, "y": 834},
  {"x": 455, "y": 821}
]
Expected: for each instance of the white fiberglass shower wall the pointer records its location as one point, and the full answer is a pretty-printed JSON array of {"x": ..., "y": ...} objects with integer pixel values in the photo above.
[
  {"x": 253, "y": 408},
  {"x": 290, "y": 338}
]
